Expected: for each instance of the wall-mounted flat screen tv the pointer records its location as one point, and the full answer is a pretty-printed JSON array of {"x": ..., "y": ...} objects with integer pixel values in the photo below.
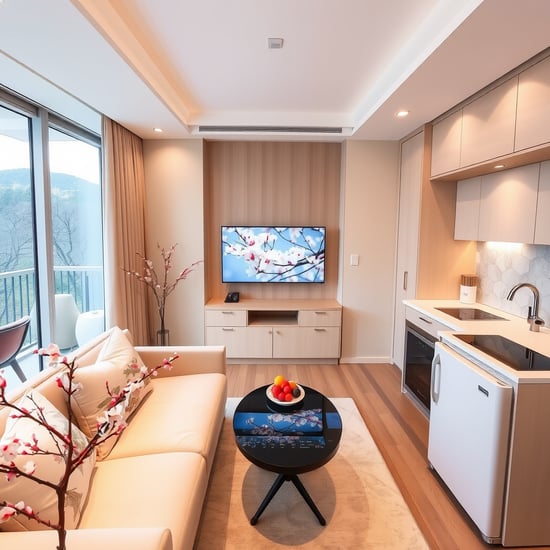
[{"x": 272, "y": 254}]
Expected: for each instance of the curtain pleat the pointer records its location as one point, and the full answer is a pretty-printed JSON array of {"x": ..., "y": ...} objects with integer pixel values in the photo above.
[{"x": 124, "y": 229}]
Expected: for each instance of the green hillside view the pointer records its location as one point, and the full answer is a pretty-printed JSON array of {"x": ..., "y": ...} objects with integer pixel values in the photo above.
[{"x": 76, "y": 207}]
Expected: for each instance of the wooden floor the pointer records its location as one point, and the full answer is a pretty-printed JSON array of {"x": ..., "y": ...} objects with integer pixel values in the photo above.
[{"x": 399, "y": 429}]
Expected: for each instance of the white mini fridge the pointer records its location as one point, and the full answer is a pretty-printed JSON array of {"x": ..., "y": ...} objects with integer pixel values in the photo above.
[{"x": 469, "y": 436}]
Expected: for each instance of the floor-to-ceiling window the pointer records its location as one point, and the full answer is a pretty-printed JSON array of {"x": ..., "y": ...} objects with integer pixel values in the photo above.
[
  {"x": 51, "y": 258},
  {"x": 17, "y": 251}
]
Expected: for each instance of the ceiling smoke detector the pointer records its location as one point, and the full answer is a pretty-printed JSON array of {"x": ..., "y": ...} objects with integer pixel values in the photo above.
[{"x": 274, "y": 43}]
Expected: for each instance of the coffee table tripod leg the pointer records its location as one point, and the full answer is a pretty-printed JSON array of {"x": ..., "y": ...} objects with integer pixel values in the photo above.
[
  {"x": 303, "y": 491},
  {"x": 270, "y": 494}
]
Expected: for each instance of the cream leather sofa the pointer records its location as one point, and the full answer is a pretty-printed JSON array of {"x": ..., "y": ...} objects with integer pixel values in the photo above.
[{"x": 148, "y": 492}]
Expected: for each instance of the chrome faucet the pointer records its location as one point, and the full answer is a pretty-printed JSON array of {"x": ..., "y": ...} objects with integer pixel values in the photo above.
[{"x": 535, "y": 322}]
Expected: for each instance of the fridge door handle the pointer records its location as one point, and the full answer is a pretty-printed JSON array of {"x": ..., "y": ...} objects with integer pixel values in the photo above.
[{"x": 436, "y": 378}]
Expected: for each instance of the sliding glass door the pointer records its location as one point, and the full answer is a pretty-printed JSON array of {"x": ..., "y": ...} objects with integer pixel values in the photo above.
[{"x": 76, "y": 231}]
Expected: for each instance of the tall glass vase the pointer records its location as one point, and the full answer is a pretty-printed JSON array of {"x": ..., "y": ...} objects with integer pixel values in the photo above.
[{"x": 163, "y": 335}]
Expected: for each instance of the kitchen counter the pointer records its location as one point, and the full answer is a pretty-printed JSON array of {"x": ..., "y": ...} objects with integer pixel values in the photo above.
[{"x": 513, "y": 327}]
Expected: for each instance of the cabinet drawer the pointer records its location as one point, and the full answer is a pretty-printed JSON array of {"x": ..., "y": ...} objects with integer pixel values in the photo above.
[
  {"x": 425, "y": 322},
  {"x": 319, "y": 318},
  {"x": 225, "y": 318},
  {"x": 306, "y": 342},
  {"x": 241, "y": 342}
]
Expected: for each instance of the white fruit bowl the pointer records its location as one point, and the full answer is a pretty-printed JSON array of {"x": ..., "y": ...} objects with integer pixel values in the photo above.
[{"x": 294, "y": 400}]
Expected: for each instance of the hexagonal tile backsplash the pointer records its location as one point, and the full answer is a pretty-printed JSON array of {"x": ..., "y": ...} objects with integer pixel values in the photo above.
[{"x": 502, "y": 265}]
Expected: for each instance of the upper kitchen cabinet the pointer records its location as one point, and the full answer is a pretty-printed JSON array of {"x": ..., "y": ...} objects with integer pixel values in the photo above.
[
  {"x": 533, "y": 112},
  {"x": 488, "y": 125},
  {"x": 446, "y": 138},
  {"x": 542, "y": 224},
  {"x": 468, "y": 198},
  {"x": 508, "y": 121},
  {"x": 508, "y": 205}
]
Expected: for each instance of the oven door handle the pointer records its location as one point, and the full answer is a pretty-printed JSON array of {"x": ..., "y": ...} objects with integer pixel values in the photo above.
[{"x": 436, "y": 378}]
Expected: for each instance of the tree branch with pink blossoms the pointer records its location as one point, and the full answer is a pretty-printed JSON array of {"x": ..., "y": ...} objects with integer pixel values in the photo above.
[
  {"x": 159, "y": 284},
  {"x": 110, "y": 424}
]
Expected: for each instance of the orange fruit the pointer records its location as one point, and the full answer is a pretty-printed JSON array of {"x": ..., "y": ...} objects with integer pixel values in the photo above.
[{"x": 292, "y": 384}]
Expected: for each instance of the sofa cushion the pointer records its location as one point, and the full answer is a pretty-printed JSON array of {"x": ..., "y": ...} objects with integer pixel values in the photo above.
[
  {"x": 40, "y": 498},
  {"x": 117, "y": 364},
  {"x": 91, "y": 539},
  {"x": 183, "y": 413},
  {"x": 160, "y": 490}
]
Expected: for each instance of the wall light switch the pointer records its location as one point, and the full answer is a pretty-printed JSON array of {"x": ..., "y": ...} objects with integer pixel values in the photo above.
[{"x": 354, "y": 259}]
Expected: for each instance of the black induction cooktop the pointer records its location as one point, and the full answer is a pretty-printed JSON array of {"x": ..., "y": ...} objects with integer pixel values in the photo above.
[
  {"x": 470, "y": 314},
  {"x": 508, "y": 352}
]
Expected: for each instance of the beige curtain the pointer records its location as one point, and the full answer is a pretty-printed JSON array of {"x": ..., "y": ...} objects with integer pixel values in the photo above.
[{"x": 124, "y": 229}]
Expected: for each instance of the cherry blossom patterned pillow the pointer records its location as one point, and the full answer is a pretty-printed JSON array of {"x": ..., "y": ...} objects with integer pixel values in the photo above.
[
  {"x": 41, "y": 498},
  {"x": 117, "y": 364}
]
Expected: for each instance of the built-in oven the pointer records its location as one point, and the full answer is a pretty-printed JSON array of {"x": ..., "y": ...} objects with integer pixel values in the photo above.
[
  {"x": 421, "y": 333},
  {"x": 417, "y": 367}
]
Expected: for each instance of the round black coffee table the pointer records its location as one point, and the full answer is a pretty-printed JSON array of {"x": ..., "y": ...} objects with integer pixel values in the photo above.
[{"x": 287, "y": 440}]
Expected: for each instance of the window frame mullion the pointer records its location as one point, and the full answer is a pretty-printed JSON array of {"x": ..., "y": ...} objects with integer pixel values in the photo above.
[{"x": 43, "y": 228}]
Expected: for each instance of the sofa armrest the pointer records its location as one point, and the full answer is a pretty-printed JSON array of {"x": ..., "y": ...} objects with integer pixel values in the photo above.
[
  {"x": 191, "y": 360},
  {"x": 142, "y": 538}
]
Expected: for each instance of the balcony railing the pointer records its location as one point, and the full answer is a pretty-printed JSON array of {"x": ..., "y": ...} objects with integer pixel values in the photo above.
[{"x": 18, "y": 292}]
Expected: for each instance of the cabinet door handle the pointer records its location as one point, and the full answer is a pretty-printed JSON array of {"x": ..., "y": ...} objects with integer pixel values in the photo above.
[
  {"x": 436, "y": 378},
  {"x": 405, "y": 279},
  {"x": 320, "y": 329},
  {"x": 320, "y": 313},
  {"x": 227, "y": 312},
  {"x": 424, "y": 319},
  {"x": 228, "y": 329}
]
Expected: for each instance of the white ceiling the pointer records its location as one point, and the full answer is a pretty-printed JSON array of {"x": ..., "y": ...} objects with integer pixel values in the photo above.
[{"x": 182, "y": 64}]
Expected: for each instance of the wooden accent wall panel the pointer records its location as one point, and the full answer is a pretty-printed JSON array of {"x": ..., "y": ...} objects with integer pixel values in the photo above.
[
  {"x": 271, "y": 183},
  {"x": 441, "y": 259}
]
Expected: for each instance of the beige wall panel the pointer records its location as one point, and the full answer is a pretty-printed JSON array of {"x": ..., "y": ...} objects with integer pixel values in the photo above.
[
  {"x": 369, "y": 221},
  {"x": 271, "y": 183},
  {"x": 174, "y": 214}
]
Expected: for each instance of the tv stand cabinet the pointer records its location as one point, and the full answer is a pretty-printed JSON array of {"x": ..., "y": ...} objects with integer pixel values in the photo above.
[{"x": 275, "y": 330}]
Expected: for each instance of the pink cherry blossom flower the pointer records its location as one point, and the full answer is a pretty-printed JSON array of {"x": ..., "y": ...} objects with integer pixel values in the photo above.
[
  {"x": 6, "y": 513},
  {"x": 29, "y": 467}
]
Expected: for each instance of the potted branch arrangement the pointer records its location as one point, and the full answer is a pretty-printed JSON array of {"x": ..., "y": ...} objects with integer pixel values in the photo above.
[{"x": 160, "y": 285}]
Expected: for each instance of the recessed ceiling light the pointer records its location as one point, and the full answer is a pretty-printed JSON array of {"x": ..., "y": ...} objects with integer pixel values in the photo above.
[
  {"x": 401, "y": 114},
  {"x": 157, "y": 130},
  {"x": 499, "y": 166},
  {"x": 274, "y": 43}
]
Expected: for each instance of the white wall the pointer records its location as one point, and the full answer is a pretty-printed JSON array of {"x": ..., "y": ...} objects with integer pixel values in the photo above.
[
  {"x": 369, "y": 202},
  {"x": 174, "y": 214}
]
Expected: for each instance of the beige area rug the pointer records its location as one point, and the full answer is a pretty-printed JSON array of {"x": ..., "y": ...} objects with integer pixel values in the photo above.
[{"x": 354, "y": 491}]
